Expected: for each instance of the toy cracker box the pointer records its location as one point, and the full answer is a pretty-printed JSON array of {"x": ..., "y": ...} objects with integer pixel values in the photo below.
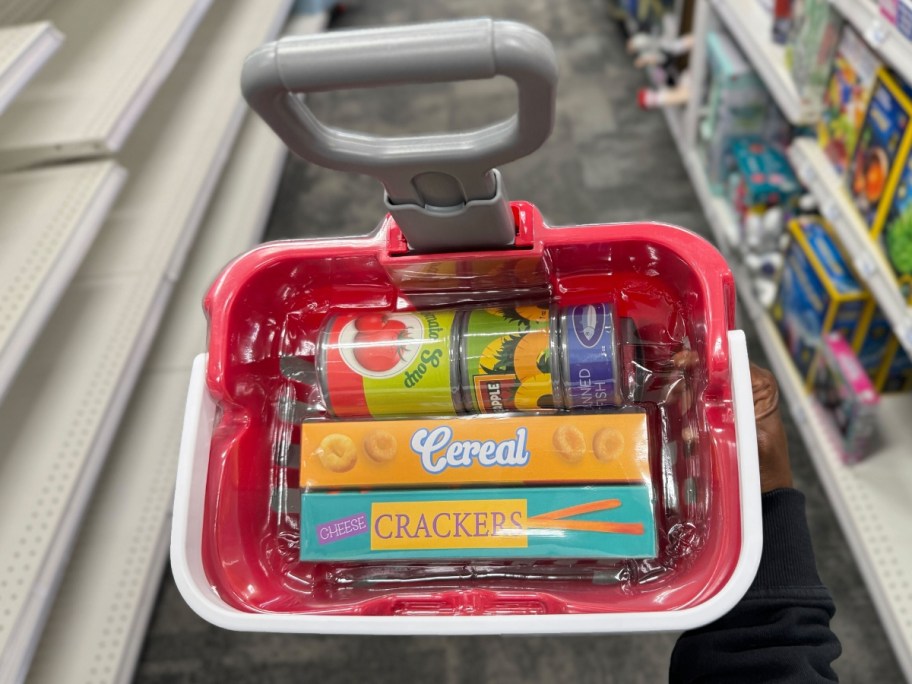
[
  {"x": 880, "y": 153},
  {"x": 846, "y": 97}
]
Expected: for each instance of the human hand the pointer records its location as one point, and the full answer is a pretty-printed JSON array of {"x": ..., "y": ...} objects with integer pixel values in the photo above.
[{"x": 772, "y": 445}]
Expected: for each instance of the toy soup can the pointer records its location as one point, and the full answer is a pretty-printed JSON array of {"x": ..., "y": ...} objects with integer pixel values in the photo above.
[
  {"x": 507, "y": 357},
  {"x": 390, "y": 364},
  {"x": 589, "y": 356}
]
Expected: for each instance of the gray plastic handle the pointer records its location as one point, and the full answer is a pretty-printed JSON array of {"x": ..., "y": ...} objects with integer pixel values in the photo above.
[{"x": 431, "y": 180}]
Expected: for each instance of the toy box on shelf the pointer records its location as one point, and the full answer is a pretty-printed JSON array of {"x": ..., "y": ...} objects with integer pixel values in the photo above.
[
  {"x": 874, "y": 334},
  {"x": 845, "y": 98},
  {"x": 737, "y": 106},
  {"x": 845, "y": 393},
  {"x": 467, "y": 421},
  {"x": 811, "y": 47},
  {"x": 904, "y": 18},
  {"x": 880, "y": 153},
  {"x": 819, "y": 294},
  {"x": 895, "y": 374},
  {"x": 892, "y": 227},
  {"x": 763, "y": 192}
]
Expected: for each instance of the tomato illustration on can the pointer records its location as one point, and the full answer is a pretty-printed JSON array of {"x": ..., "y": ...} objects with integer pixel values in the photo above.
[
  {"x": 506, "y": 355},
  {"x": 588, "y": 351},
  {"x": 389, "y": 364}
]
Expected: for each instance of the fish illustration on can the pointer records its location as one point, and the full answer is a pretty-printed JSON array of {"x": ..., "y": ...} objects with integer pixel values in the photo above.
[{"x": 589, "y": 359}]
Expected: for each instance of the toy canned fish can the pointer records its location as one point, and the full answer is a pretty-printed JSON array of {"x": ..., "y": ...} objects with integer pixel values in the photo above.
[
  {"x": 390, "y": 364},
  {"x": 589, "y": 356},
  {"x": 507, "y": 357}
]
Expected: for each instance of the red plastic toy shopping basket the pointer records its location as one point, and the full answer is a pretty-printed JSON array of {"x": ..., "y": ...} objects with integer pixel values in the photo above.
[{"x": 453, "y": 240}]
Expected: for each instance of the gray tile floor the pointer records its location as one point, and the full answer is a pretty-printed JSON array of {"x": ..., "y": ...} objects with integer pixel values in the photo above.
[{"x": 606, "y": 161}]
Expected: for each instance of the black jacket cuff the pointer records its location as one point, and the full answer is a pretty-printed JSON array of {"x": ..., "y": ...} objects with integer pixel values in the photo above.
[{"x": 788, "y": 556}]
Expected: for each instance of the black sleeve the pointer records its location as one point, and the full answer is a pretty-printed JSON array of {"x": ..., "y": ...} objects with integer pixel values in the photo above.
[{"x": 780, "y": 630}]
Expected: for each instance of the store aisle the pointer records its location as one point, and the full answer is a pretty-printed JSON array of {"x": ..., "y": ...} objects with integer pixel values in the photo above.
[{"x": 606, "y": 161}]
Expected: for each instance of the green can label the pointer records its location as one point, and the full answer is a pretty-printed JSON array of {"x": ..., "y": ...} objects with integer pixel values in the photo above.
[
  {"x": 380, "y": 364},
  {"x": 506, "y": 356}
]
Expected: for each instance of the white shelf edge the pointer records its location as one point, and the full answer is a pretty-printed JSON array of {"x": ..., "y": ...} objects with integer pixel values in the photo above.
[
  {"x": 42, "y": 41},
  {"x": 818, "y": 176},
  {"x": 751, "y": 28},
  {"x": 65, "y": 137},
  {"x": 62, "y": 266},
  {"x": 893, "y": 48},
  {"x": 237, "y": 215},
  {"x": 844, "y": 485},
  {"x": 135, "y": 108},
  {"x": 22, "y": 11},
  {"x": 22, "y": 627}
]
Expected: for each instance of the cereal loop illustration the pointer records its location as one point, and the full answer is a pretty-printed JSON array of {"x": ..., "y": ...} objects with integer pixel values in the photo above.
[
  {"x": 570, "y": 443},
  {"x": 380, "y": 446},
  {"x": 337, "y": 453},
  {"x": 608, "y": 444}
]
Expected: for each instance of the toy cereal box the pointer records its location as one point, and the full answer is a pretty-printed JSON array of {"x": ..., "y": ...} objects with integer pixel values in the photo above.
[{"x": 559, "y": 449}]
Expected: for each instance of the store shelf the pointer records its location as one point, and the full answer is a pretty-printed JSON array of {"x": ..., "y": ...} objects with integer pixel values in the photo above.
[
  {"x": 87, "y": 100},
  {"x": 893, "y": 48},
  {"x": 23, "y": 51},
  {"x": 816, "y": 173},
  {"x": 871, "y": 499},
  {"x": 48, "y": 220},
  {"x": 674, "y": 115},
  {"x": 751, "y": 27},
  {"x": 22, "y": 11},
  {"x": 62, "y": 411},
  {"x": 96, "y": 627}
]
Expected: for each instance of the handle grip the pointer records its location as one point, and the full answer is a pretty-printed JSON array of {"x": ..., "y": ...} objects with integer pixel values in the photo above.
[{"x": 438, "y": 173}]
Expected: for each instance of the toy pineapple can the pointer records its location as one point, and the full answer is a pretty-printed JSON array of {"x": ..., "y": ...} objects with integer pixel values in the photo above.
[{"x": 507, "y": 358}]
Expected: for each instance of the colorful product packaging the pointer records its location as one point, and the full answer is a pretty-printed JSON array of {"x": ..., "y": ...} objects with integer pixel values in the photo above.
[
  {"x": 846, "y": 97},
  {"x": 506, "y": 356},
  {"x": 390, "y": 364},
  {"x": 888, "y": 9},
  {"x": 880, "y": 153},
  {"x": 764, "y": 175},
  {"x": 896, "y": 373},
  {"x": 493, "y": 359},
  {"x": 469, "y": 450},
  {"x": 904, "y": 18},
  {"x": 812, "y": 44},
  {"x": 845, "y": 393},
  {"x": 737, "y": 106},
  {"x": 535, "y": 522},
  {"x": 892, "y": 229},
  {"x": 871, "y": 340},
  {"x": 818, "y": 293},
  {"x": 589, "y": 357}
]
